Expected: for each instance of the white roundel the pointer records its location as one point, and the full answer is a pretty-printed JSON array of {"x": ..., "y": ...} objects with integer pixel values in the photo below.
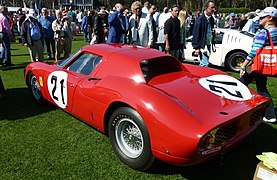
[
  {"x": 57, "y": 87},
  {"x": 226, "y": 86}
]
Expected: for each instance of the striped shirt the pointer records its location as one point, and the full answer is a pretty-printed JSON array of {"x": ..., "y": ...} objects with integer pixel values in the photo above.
[{"x": 261, "y": 40}]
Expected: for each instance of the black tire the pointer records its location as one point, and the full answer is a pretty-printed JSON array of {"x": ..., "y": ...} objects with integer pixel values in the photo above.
[
  {"x": 235, "y": 60},
  {"x": 35, "y": 88},
  {"x": 130, "y": 139}
]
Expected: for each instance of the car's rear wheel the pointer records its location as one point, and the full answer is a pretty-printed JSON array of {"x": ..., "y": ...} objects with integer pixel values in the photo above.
[
  {"x": 130, "y": 139},
  {"x": 235, "y": 60},
  {"x": 35, "y": 88}
]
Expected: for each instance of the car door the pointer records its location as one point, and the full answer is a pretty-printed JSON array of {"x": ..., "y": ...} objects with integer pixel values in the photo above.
[
  {"x": 216, "y": 51},
  {"x": 62, "y": 83}
]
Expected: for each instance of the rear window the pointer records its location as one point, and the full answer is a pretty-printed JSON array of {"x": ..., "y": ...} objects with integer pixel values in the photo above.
[{"x": 158, "y": 66}]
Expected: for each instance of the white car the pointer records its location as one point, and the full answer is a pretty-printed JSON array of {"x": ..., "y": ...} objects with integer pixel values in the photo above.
[{"x": 231, "y": 48}]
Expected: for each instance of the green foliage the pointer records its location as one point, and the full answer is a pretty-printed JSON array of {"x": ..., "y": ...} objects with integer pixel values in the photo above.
[
  {"x": 44, "y": 142},
  {"x": 235, "y": 10}
]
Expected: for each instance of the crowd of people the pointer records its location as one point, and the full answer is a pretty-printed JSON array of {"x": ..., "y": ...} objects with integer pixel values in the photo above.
[{"x": 143, "y": 26}]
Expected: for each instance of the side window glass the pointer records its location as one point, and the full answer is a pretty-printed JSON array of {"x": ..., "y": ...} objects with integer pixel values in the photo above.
[
  {"x": 218, "y": 38},
  {"x": 85, "y": 63}
]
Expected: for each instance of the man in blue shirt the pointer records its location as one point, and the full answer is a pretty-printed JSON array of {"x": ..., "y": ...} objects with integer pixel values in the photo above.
[
  {"x": 46, "y": 23},
  {"x": 32, "y": 37}
]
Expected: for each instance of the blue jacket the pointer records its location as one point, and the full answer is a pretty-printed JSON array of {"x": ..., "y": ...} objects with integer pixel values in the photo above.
[
  {"x": 115, "y": 30},
  {"x": 84, "y": 23},
  {"x": 200, "y": 31}
]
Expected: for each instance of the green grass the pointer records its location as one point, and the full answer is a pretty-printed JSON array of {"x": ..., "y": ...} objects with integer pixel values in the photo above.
[{"x": 44, "y": 142}]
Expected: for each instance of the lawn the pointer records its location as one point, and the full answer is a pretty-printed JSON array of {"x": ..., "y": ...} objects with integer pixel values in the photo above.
[{"x": 43, "y": 142}]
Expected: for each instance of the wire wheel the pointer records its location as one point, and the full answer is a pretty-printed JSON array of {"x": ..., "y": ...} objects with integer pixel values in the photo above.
[{"x": 129, "y": 137}]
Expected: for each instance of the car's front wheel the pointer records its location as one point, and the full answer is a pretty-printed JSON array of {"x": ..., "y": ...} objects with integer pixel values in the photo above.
[
  {"x": 235, "y": 60},
  {"x": 130, "y": 139},
  {"x": 35, "y": 88}
]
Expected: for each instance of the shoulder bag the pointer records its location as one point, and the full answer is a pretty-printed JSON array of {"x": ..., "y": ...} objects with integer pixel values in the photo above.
[{"x": 265, "y": 61}]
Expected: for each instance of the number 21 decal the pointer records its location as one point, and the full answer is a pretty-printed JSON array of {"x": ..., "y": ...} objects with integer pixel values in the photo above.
[
  {"x": 57, "y": 87},
  {"x": 226, "y": 86}
]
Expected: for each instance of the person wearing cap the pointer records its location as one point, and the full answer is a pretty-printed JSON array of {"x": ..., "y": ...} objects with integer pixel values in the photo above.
[
  {"x": 232, "y": 22},
  {"x": 5, "y": 36},
  {"x": 46, "y": 23},
  {"x": 268, "y": 19},
  {"x": 100, "y": 27},
  {"x": 62, "y": 35},
  {"x": 32, "y": 37}
]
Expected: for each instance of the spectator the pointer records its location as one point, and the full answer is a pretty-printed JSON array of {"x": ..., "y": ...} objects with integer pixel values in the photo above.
[
  {"x": 32, "y": 36},
  {"x": 256, "y": 20},
  {"x": 79, "y": 17},
  {"x": 2, "y": 89},
  {"x": 62, "y": 35},
  {"x": 182, "y": 18},
  {"x": 140, "y": 25},
  {"x": 268, "y": 19},
  {"x": 71, "y": 14},
  {"x": 126, "y": 17},
  {"x": 202, "y": 33},
  {"x": 100, "y": 30},
  {"x": 5, "y": 36},
  {"x": 153, "y": 34},
  {"x": 46, "y": 23},
  {"x": 161, "y": 39},
  {"x": 172, "y": 32},
  {"x": 232, "y": 21},
  {"x": 90, "y": 23},
  {"x": 20, "y": 19},
  {"x": 145, "y": 7},
  {"x": 84, "y": 26},
  {"x": 118, "y": 26},
  {"x": 243, "y": 21},
  {"x": 250, "y": 24}
]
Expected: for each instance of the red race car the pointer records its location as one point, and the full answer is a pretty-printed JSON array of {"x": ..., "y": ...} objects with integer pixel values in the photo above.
[{"x": 149, "y": 104}]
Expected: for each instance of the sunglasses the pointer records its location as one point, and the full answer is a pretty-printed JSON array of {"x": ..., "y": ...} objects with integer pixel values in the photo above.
[{"x": 262, "y": 17}]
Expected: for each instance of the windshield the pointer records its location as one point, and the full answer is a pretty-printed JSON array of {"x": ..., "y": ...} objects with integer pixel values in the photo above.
[{"x": 62, "y": 63}]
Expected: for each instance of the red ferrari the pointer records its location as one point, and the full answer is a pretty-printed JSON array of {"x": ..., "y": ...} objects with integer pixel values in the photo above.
[{"x": 149, "y": 104}]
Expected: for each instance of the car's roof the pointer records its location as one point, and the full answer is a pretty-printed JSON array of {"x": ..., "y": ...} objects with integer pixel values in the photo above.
[
  {"x": 125, "y": 60},
  {"x": 134, "y": 53}
]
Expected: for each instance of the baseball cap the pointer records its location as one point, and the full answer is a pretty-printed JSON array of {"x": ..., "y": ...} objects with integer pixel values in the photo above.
[
  {"x": 269, "y": 11},
  {"x": 232, "y": 14}
]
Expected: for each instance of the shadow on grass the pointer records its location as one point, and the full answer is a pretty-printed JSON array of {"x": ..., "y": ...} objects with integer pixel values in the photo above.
[
  {"x": 26, "y": 54},
  {"x": 238, "y": 163},
  {"x": 18, "y": 104},
  {"x": 16, "y": 66}
]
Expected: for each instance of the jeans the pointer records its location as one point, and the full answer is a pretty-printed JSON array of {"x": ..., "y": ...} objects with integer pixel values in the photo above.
[
  {"x": 6, "y": 52},
  {"x": 261, "y": 82},
  {"x": 85, "y": 35},
  {"x": 204, "y": 58}
]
